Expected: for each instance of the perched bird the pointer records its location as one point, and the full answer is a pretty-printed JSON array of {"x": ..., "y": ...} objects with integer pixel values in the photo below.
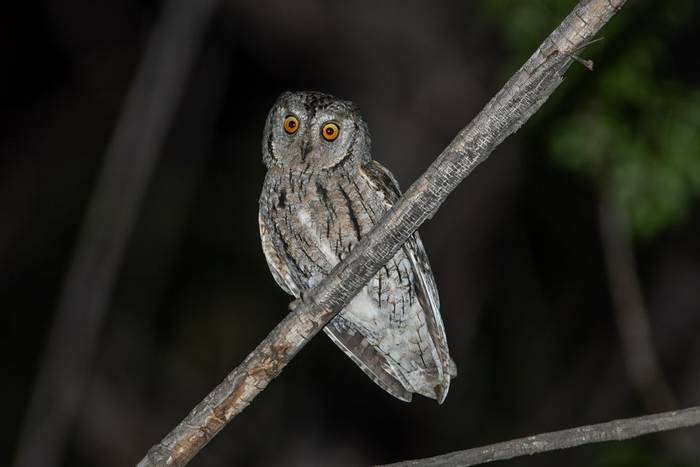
[{"x": 322, "y": 193}]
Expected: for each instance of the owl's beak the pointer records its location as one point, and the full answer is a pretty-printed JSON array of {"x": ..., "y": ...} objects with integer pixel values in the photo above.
[{"x": 305, "y": 150}]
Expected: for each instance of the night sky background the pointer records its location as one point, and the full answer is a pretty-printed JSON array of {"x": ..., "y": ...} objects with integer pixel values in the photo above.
[{"x": 516, "y": 249}]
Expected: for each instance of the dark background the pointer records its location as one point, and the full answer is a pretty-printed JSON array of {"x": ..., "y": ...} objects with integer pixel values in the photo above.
[{"x": 516, "y": 250}]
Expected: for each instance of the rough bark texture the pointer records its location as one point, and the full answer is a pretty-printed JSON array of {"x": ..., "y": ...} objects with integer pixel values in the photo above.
[
  {"x": 616, "y": 430},
  {"x": 521, "y": 97}
]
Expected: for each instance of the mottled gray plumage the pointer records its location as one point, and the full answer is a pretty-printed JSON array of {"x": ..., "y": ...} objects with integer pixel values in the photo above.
[{"x": 319, "y": 197}]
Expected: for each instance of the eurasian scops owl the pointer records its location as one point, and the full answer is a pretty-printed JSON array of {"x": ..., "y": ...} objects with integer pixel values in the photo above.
[{"x": 322, "y": 193}]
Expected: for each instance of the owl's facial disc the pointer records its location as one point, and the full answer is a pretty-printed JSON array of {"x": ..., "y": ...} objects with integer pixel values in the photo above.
[
  {"x": 314, "y": 131},
  {"x": 284, "y": 133},
  {"x": 331, "y": 137}
]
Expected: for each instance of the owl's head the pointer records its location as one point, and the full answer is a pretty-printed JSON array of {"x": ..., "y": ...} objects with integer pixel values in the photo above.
[{"x": 315, "y": 131}]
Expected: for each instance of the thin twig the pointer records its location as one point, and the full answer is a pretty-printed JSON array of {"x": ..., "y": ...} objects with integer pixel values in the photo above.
[
  {"x": 631, "y": 316},
  {"x": 519, "y": 99},
  {"x": 638, "y": 351},
  {"x": 616, "y": 430},
  {"x": 131, "y": 155}
]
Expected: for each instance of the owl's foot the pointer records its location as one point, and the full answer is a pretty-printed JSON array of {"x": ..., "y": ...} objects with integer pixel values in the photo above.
[
  {"x": 304, "y": 297},
  {"x": 293, "y": 306}
]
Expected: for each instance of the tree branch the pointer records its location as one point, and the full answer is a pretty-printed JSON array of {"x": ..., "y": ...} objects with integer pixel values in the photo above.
[
  {"x": 132, "y": 153},
  {"x": 519, "y": 99},
  {"x": 633, "y": 326},
  {"x": 617, "y": 430}
]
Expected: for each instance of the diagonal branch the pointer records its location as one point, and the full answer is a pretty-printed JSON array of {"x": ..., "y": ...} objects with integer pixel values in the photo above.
[
  {"x": 132, "y": 154},
  {"x": 617, "y": 430},
  {"x": 514, "y": 104}
]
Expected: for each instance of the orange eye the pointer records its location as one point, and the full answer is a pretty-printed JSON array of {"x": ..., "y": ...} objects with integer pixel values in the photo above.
[
  {"x": 330, "y": 131},
  {"x": 291, "y": 124}
]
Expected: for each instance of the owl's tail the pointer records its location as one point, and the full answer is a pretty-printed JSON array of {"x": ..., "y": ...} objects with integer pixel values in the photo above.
[
  {"x": 371, "y": 361},
  {"x": 385, "y": 372}
]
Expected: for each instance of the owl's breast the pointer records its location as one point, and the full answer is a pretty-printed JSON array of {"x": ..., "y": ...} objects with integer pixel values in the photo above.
[{"x": 315, "y": 220}]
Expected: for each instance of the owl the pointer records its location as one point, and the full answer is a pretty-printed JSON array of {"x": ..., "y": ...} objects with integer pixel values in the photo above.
[{"x": 321, "y": 194}]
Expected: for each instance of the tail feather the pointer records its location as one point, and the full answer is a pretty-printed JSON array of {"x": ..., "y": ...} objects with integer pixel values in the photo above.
[{"x": 374, "y": 363}]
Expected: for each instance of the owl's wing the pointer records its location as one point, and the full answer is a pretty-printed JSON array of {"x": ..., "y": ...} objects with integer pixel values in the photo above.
[
  {"x": 428, "y": 297},
  {"x": 385, "y": 183},
  {"x": 375, "y": 364},
  {"x": 341, "y": 331},
  {"x": 278, "y": 266}
]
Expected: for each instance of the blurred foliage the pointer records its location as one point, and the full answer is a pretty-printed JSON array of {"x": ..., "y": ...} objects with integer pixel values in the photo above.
[{"x": 631, "y": 129}]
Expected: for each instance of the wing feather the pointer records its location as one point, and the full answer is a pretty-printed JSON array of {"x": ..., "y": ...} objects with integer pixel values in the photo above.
[
  {"x": 278, "y": 266},
  {"x": 385, "y": 182},
  {"x": 375, "y": 364}
]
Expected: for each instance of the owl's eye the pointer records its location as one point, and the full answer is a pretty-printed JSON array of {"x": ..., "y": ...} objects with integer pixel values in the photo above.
[
  {"x": 330, "y": 131},
  {"x": 291, "y": 124}
]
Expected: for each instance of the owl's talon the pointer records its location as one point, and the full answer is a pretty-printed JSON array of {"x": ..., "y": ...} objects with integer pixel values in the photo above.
[{"x": 304, "y": 297}]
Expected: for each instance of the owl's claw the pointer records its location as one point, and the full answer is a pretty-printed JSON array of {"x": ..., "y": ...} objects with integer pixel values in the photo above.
[{"x": 304, "y": 297}]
